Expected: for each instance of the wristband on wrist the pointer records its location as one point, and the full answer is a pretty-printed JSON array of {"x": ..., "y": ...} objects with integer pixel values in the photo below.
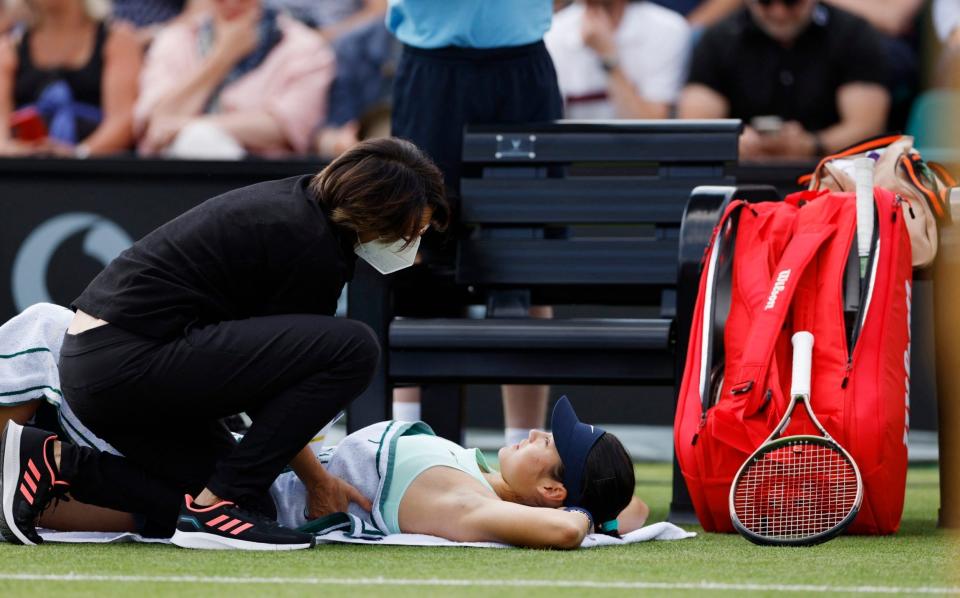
[
  {"x": 581, "y": 510},
  {"x": 608, "y": 63}
]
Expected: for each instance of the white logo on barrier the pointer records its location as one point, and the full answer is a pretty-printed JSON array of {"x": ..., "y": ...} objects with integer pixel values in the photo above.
[
  {"x": 778, "y": 287},
  {"x": 103, "y": 241},
  {"x": 906, "y": 364}
]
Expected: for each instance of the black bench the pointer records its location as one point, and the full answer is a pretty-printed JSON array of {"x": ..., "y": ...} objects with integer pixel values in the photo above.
[
  {"x": 554, "y": 214},
  {"x": 585, "y": 214}
]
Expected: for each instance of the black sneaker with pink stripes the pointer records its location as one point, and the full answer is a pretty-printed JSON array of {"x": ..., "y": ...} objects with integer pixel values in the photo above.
[
  {"x": 225, "y": 526},
  {"x": 28, "y": 481}
]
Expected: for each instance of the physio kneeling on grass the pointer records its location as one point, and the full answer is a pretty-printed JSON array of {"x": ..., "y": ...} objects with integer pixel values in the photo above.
[{"x": 228, "y": 308}]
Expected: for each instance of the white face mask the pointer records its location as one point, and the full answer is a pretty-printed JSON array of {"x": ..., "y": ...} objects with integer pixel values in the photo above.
[{"x": 387, "y": 258}]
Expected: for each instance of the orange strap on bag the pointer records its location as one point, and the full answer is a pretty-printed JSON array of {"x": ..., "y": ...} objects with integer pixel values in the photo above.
[{"x": 924, "y": 187}]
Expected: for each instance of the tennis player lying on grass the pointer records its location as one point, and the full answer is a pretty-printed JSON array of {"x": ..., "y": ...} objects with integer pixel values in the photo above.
[
  {"x": 419, "y": 483},
  {"x": 551, "y": 491}
]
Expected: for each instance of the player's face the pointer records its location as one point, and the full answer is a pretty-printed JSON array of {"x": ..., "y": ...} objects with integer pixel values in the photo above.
[
  {"x": 783, "y": 20},
  {"x": 529, "y": 464}
]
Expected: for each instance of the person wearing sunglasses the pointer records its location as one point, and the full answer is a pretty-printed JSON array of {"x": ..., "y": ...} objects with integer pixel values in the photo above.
[
  {"x": 228, "y": 308},
  {"x": 806, "y": 78}
]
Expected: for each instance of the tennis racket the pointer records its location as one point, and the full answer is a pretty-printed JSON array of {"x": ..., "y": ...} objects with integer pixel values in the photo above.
[
  {"x": 863, "y": 176},
  {"x": 796, "y": 490}
]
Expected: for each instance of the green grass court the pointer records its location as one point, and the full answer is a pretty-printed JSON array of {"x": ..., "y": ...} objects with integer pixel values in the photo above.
[{"x": 920, "y": 560}]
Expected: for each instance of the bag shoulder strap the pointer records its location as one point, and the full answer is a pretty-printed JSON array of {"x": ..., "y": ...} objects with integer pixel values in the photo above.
[
  {"x": 764, "y": 331},
  {"x": 943, "y": 173},
  {"x": 925, "y": 183}
]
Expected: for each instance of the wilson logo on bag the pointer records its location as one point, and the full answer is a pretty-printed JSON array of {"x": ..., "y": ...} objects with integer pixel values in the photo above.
[{"x": 778, "y": 286}]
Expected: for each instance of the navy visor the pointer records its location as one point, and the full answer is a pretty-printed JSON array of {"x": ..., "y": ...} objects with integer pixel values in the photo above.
[{"x": 574, "y": 439}]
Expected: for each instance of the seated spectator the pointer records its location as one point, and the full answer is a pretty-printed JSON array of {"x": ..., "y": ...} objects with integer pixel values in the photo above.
[
  {"x": 816, "y": 72},
  {"x": 896, "y": 20},
  {"x": 359, "y": 96},
  {"x": 618, "y": 59},
  {"x": 235, "y": 80},
  {"x": 69, "y": 83}
]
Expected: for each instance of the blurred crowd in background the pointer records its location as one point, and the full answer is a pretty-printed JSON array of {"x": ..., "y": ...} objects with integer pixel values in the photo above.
[{"x": 230, "y": 79}]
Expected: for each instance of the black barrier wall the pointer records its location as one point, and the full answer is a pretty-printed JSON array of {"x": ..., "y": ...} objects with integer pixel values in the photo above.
[{"x": 64, "y": 220}]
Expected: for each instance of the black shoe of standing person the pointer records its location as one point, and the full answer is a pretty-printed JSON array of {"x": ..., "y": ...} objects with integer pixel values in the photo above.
[
  {"x": 28, "y": 481},
  {"x": 225, "y": 526}
]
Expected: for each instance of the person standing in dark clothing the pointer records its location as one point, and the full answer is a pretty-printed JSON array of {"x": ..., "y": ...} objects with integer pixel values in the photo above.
[
  {"x": 471, "y": 62},
  {"x": 227, "y": 308}
]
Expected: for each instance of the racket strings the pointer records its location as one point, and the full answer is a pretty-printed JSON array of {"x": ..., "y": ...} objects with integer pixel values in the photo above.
[{"x": 796, "y": 490}]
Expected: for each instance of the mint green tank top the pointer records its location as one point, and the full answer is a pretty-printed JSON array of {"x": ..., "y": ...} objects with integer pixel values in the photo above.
[{"x": 418, "y": 453}]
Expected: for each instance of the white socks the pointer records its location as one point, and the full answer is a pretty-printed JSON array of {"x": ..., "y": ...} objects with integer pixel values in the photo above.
[
  {"x": 515, "y": 435},
  {"x": 410, "y": 412},
  {"x": 406, "y": 412}
]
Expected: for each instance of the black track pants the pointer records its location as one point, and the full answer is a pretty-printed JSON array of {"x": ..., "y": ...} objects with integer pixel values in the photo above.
[{"x": 159, "y": 404}]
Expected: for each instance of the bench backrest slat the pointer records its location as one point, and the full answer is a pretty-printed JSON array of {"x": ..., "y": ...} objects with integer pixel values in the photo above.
[
  {"x": 588, "y": 200},
  {"x": 617, "y": 190},
  {"x": 567, "y": 141}
]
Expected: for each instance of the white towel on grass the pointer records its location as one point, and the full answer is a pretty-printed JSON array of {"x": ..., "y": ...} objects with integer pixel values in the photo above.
[
  {"x": 656, "y": 531},
  {"x": 97, "y": 537}
]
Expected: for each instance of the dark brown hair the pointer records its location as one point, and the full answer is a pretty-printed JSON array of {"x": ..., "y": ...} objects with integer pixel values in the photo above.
[
  {"x": 383, "y": 185},
  {"x": 608, "y": 481}
]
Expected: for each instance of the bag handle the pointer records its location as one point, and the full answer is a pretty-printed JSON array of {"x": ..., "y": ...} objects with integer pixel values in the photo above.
[{"x": 765, "y": 329}]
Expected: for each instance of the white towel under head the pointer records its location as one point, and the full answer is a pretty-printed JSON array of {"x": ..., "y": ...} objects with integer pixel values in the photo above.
[{"x": 656, "y": 531}]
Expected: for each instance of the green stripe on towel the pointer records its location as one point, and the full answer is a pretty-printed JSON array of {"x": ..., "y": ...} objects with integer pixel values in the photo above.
[
  {"x": 31, "y": 389},
  {"x": 34, "y": 350}
]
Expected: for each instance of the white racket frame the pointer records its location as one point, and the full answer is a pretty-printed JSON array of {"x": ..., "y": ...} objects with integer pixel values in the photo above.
[{"x": 799, "y": 393}]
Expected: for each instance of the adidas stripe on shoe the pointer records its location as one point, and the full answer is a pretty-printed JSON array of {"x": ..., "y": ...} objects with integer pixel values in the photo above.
[
  {"x": 225, "y": 526},
  {"x": 28, "y": 481}
]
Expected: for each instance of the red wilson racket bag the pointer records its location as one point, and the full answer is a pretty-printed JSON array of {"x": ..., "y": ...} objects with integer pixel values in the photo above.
[{"x": 773, "y": 268}]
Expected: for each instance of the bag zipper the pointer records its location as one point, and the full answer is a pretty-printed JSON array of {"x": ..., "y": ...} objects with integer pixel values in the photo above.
[
  {"x": 700, "y": 427},
  {"x": 864, "y": 292}
]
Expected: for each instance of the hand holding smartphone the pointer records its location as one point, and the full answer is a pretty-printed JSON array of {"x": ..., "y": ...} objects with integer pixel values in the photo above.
[{"x": 767, "y": 125}]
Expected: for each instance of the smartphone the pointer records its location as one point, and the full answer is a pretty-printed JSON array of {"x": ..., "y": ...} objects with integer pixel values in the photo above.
[
  {"x": 767, "y": 125},
  {"x": 26, "y": 124}
]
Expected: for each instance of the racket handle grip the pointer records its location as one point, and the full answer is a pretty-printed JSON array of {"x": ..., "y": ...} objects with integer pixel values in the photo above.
[
  {"x": 802, "y": 359},
  {"x": 863, "y": 177}
]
